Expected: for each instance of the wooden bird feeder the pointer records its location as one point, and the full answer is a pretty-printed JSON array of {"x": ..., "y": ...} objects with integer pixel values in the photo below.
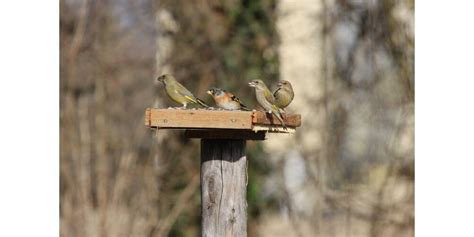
[{"x": 223, "y": 137}]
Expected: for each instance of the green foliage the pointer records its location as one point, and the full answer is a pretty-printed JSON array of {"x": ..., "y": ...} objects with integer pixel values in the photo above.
[{"x": 234, "y": 41}]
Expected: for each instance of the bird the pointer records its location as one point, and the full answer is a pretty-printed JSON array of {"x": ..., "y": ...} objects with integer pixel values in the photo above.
[
  {"x": 178, "y": 93},
  {"x": 266, "y": 100},
  {"x": 226, "y": 100},
  {"x": 283, "y": 94}
]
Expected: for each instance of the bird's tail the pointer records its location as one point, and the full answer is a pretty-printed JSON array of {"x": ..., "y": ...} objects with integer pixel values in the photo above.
[
  {"x": 199, "y": 101},
  {"x": 243, "y": 107},
  {"x": 278, "y": 115}
]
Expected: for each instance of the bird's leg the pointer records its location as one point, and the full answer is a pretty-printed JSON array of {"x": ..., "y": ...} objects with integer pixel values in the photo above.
[
  {"x": 280, "y": 118},
  {"x": 269, "y": 116},
  {"x": 184, "y": 106}
]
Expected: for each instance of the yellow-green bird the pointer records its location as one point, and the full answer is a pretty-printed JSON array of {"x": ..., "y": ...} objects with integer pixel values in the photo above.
[
  {"x": 283, "y": 94},
  {"x": 265, "y": 99},
  {"x": 178, "y": 93}
]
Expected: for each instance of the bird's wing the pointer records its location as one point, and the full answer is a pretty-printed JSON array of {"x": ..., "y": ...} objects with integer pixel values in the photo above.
[
  {"x": 233, "y": 97},
  {"x": 276, "y": 91},
  {"x": 236, "y": 99},
  {"x": 184, "y": 92},
  {"x": 269, "y": 96}
]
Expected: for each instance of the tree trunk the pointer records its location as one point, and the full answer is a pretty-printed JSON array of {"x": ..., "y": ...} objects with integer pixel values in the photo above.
[
  {"x": 301, "y": 56},
  {"x": 223, "y": 187}
]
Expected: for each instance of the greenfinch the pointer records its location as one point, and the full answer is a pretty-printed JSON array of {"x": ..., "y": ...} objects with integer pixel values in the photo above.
[
  {"x": 266, "y": 100},
  {"x": 178, "y": 93},
  {"x": 226, "y": 100},
  {"x": 283, "y": 94}
]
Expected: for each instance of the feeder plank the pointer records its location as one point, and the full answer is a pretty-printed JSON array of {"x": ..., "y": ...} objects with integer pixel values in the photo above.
[
  {"x": 214, "y": 119},
  {"x": 261, "y": 118}
]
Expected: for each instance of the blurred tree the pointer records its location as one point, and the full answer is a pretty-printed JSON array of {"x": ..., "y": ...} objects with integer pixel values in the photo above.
[
  {"x": 348, "y": 171},
  {"x": 351, "y": 64}
]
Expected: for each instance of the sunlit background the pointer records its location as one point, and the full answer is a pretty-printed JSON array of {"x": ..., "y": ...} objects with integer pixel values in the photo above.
[{"x": 348, "y": 171}]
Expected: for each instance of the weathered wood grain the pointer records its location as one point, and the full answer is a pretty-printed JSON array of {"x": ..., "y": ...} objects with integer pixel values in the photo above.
[
  {"x": 219, "y": 119},
  {"x": 223, "y": 188},
  {"x": 261, "y": 118},
  {"x": 176, "y": 118}
]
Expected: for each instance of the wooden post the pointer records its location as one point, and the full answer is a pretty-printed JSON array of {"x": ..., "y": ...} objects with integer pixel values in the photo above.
[
  {"x": 223, "y": 137},
  {"x": 223, "y": 187}
]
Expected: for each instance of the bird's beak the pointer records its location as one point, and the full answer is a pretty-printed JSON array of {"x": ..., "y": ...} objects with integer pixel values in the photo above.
[
  {"x": 252, "y": 84},
  {"x": 209, "y": 92}
]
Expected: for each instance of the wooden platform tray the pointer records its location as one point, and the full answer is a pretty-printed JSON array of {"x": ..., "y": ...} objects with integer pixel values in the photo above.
[{"x": 217, "y": 119}]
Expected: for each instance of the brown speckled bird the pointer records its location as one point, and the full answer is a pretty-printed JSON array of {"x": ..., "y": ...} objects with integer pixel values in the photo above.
[
  {"x": 226, "y": 100},
  {"x": 178, "y": 93},
  {"x": 266, "y": 99},
  {"x": 283, "y": 94}
]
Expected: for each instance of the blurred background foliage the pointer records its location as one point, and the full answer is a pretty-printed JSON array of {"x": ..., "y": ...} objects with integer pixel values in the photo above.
[{"x": 350, "y": 173}]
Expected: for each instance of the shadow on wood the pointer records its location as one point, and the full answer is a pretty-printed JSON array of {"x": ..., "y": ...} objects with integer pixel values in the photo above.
[{"x": 225, "y": 134}]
